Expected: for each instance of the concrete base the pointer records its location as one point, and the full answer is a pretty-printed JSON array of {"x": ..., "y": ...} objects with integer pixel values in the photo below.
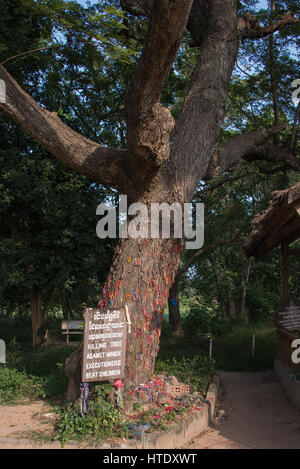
[{"x": 290, "y": 385}]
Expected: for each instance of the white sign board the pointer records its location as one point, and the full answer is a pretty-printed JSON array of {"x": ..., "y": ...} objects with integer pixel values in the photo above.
[
  {"x": 104, "y": 347},
  {"x": 2, "y": 92},
  {"x": 2, "y": 351},
  {"x": 290, "y": 319}
]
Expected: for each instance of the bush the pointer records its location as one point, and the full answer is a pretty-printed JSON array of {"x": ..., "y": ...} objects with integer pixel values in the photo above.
[
  {"x": 16, "y": 386},
  {"x": 261, "y": 301},
  {"x": 19, "y": 329},
  {"x": 37, "y": 373},
  {"x": 203, "y": 314},
  {"x": 102, "y": 421}
]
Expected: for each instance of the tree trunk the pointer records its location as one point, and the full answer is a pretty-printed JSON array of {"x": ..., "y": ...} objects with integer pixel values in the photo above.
[
  {"x": 141, "y": 275},
  {"x": 36, "y": 315},
  {"x": 174, "y": 310},
  {"x": 47, "y": 303},
  {"x": 246, "y": 276}
]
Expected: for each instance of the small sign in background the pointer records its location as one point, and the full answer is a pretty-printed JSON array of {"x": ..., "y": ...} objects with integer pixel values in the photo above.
[{"x": 2, "y": 351}]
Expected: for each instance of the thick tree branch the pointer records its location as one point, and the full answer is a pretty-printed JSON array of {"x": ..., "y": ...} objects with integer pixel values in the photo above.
[
  {"x": 101, "y": 164},
  {"x": 149, "y": 123},
  {"x": 252, "y": 146},
  {"x": 198, "y": 18},
  {"x": 247, "y": 25},
  {"x": 250, "y": 29},
  {"x": 197, "y": 129},
  {"x": 274, "y": 153},
  {"x": 216, "y": 31},
  {"x": 269, "y": 172}
]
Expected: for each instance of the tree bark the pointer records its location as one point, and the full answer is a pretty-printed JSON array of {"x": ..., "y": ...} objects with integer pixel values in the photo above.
[
  {"x": 141, "y": 275},
  {"x": 149, "y": 123},
  {"x": 39, "y": 314},
  {"x": 47, "y": 303}
]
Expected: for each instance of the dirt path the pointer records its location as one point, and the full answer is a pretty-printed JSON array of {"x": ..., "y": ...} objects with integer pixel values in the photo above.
[
  {"x": 20, "y": 421},
  {"x": 259, "y": 415}
]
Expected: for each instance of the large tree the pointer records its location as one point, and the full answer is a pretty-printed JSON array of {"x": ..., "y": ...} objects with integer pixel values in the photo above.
[{"x": 164, "y": 159}]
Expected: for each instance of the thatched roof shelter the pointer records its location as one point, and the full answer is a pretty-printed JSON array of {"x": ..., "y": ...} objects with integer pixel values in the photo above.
[{"x": 279, "y": 224}]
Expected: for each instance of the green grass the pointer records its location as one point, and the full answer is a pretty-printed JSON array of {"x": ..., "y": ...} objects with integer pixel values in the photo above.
[
  {"x": 195, "y": 371},
  {"x": 232, "y": 340},
  {"x": 17, "y": 386},
  {"x": 33, "y": 374},
  {"x": 184, "y": 358},
  {"x": 232, "y": 347},
  {"x": 233, "y": 350}
]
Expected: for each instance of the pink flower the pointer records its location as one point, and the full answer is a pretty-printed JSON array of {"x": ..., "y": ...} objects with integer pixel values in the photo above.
[{"x": 118, "y": 383}]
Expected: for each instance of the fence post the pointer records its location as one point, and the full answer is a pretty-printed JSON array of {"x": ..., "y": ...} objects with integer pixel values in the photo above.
[
  {"x": 253, "y": 344},
  {"x": 210, "y": 348}
]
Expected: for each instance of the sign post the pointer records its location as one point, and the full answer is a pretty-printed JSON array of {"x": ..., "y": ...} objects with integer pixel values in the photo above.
[
  {"x": 2, "y": 351},
  {"x": 104, "y": 346}
]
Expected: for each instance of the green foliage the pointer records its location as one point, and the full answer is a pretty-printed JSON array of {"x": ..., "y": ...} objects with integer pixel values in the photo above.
[
  {"x": 195, "y": 371},
  {"x": 16, "y": 329},
  {"x": 212, "y": 289},
  {"x": 261, "y": 300},
  {"x": 47, "y": 212},
  {"x": 232, "y": 350},
  {"x": 31, "y": 374},
  {"x": 188, "y": 357},
  {"x": 102, "y": 421},
  {"x": 203, "y": 313},
  {"x": 17, "y": 386}
]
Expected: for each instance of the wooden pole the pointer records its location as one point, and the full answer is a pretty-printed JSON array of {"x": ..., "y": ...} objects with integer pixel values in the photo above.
[{"x": 285, "y": 274}]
